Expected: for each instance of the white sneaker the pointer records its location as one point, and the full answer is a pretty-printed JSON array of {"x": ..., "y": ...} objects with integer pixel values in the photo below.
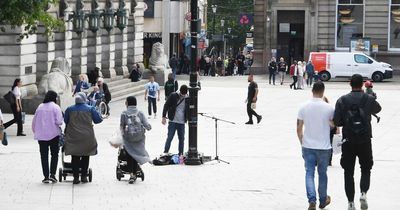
[
  {"x": 351, "y": 206},
  {"x": 363, "y": 201}
]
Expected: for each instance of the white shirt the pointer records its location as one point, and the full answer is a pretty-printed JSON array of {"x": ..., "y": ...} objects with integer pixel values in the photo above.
[
  {"x": 17, "y": 92},
  {"x": 316, "y": 115}
]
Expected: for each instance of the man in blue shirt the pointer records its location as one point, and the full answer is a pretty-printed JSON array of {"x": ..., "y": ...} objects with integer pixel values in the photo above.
[{"x": 152, "y": 94}]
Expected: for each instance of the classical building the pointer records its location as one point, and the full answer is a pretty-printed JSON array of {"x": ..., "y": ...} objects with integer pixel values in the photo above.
[
  {"x": 294, "y": 28},
  {"x": 113, "y": 46}
]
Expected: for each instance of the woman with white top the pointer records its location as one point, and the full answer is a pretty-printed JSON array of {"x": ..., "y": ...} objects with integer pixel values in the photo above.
[
  {"x": 16, "y": 108},
  {"x": 300, "y": 75}
]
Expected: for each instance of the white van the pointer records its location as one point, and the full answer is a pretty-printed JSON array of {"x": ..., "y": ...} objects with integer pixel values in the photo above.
[{"x": 345, "y": 64}]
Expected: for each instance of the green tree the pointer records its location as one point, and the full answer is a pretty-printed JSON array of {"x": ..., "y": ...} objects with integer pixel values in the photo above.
[
  {"x": 30, "y": 14},
  {"x": 229, "y": 10}
]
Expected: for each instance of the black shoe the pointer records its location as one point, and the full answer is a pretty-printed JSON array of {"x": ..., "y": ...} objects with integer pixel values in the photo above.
[
  {"x": 53, "y": 179},
  {"x": 378, "y": 119},
  {"x": 327, "y": 202},
  {"x": 4, "y": 141},
  {"x": 259, "y": 118},
  {"x": 132, "y": 179},
  {"x": 21, "y": 134},
  {"x": 76, "y": 181},
  {"x": 46, "y": 181},
  {"x": 249, "y": 123},
  {"x": 84, "y": 179}
]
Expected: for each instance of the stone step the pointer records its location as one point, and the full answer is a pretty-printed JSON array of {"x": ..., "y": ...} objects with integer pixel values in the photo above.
[
  {"x": 127, "y": 91},
  {"x": 124, "y": 85},
  {"x": 121, "y": 98}
]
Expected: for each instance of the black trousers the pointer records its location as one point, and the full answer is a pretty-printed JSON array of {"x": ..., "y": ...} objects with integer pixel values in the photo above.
[
  {"x": 294, "y": 82},
  {"x": 17, "y": 119},
  {"x": 349, "y": 153},
  {"x": 132, "y": 164},
  {"x": 80, "y": 162},
  {"x": 250, "y": 111},
  {"x": 44, "y": 156},
  {"x": 272, "y": 76},
  {"x": 152, "y": 103}
]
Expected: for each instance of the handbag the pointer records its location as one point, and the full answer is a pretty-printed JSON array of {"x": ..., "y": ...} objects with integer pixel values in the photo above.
[{"x": 10, "y": 97}]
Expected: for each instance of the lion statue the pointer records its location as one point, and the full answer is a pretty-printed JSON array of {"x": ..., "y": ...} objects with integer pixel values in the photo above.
[
  {"x": 58, "y": 79},
  {"x": 158, "y": 60}
]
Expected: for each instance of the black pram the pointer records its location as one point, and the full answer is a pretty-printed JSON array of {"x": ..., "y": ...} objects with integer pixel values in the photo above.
[
  {"x": 66, "y": 169},
  {"x": 122, "y": 165}
]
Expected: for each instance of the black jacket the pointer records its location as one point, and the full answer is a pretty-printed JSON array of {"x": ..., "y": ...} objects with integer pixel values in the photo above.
[
  {"x": 107, "y": 94},
  {"x": 170, "y": 106},
  {"x": 371, "y": 107},
  {"x": 170, "y": 87}
]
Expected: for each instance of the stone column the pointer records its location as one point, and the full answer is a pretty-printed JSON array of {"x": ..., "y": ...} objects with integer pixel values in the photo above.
[
  {"x": 79, "y": 55},
  {"x": 166, "y": 25},
  {"x": 260, "y": 24},
  {"x": 63, "y": 43},
  {"x": 108, "y": 54},
  {"x": 131, "y": 41},
  {"x": 121, "y": 52},
  {"x": 45, "y": 53},
  {"x": 94, "y": 50},
  {"x": 139, "y": 27}
]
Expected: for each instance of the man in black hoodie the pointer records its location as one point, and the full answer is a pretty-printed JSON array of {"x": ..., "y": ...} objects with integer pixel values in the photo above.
[
  {"x": 170, "y": 86},
  {"x": 176, "y": 107}
]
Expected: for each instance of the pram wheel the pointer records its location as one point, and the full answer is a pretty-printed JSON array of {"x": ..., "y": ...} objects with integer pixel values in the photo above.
[
  {"x": 60, "y": 174},
  {"x": 140, "y": 174},
  {"x": 102, "y": 109},
  {"x": 90, "y": 175},
  {"x": 118, "y": 174}
]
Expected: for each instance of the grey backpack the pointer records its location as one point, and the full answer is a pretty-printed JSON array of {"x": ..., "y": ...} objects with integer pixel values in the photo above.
[{"x": 133, "y": 131}]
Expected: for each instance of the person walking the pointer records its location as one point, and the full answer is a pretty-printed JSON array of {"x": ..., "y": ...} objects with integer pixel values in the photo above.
[
  {"x": 174, "y": 64},
  {"x": 353, "y": 113},
  {"x": 300, "y": 75},
  {"x": 152, "y": 95},
  {"x": 252, "y": 95},
  {"x": 137, "y": 154},
  {"x": 310, "y": 73},
  {"x": 80, "y": 139},
  {"x": 171, "y": 85},
  {"x": 16, "y": 108},
  {"x": 103, "y": 87},
  {"x": 282, "y": 69},
  {"x": 175, "y": 109},
  {"x": 314, "y": 122},
  {"x": 46, "y": 129},
  {"x": 293, "y": 74},
  {"x": 272, "y": 67},
  {"x": 240, "y": 63}
]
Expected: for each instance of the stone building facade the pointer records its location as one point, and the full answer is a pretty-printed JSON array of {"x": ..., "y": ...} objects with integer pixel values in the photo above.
[
  {"x": 294, "y": 28},
  {"x": 114, "y": 52}
]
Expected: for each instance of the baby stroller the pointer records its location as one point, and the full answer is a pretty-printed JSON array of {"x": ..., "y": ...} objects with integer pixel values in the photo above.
[
  {"x": 66, "y": 169},
  {"x": 122, "y": 165}
]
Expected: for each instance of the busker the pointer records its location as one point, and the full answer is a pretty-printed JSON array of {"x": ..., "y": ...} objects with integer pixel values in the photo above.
[
  {"x": 16, "y": 107},
  {"x": 272, "y": 67},
  {"x": 152, "y": 95},
  {"x": 171, "y": 85},
  {"x": 46, "y": 128},
  {"x": 134, "y": 142},
  {"x": 252, "y": 95},
  {"x": 80, "y": 140},
  {"x": 353, "y": 112},
  {"x": 316, "y": 116},
  {"x": 175, "y": 109},
  {"x": 282, "y": 69}
]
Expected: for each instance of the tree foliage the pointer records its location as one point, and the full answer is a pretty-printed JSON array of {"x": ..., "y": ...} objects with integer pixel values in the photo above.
[
  {"x": 30, "y": 14},
  {"x": 230, "y": 10}
]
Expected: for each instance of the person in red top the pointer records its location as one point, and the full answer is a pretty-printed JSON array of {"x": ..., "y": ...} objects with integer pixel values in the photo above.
[{"x": 292, "y": 74}]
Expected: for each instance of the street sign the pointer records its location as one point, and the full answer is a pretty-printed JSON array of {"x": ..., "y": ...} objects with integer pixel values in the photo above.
[{"x": 375, "y": 48}]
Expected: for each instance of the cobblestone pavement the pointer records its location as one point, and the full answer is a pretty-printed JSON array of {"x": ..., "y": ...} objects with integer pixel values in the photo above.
[{"x": 266, "y": 170}]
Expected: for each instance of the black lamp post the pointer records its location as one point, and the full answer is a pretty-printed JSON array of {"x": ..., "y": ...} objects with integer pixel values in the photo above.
[
  {"x": 121, "y": 15},
  {"x": 229, "y": 36},
  {"x": 78, "y": 17},
  {"x": 94, "y": 17},
  {"x": 108, "y": 16},
  {"x": 214, "y": 10},
  {"x": 223, "y": 37},
  {"x": 193, "y": 155}
]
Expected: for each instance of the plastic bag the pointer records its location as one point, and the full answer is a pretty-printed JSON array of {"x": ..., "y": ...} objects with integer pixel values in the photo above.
[
  {"x": 337, "y": 144},
  {"x": 116, "y": 139}
]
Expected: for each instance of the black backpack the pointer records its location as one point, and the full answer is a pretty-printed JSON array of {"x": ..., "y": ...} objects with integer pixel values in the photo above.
[{"x": 356, "y": 126}]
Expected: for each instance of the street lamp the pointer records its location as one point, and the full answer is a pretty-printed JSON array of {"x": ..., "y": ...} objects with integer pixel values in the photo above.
[
  {"x": 94, "y": 17},
  {"x": 223, "y": 38},
  {"x": 78, "y": 17},
  {"x": 121, "y": 15},
  {"x": 229, "y": 34},
  {"x": 108, "y": 16},
  {"x": 214, "y": 10}
]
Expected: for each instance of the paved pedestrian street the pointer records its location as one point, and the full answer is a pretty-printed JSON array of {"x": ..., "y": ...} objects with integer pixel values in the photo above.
[{"x": 266, "y": 170}]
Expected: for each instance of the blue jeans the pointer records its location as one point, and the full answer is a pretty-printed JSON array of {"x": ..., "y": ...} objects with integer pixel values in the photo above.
[
  {"x": 172, "y": 127},
  {"x": 319, "y": 158}
]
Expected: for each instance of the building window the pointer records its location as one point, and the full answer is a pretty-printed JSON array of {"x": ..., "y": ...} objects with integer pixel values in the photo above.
[
  {"x": 349, "y": 21},
  {"x": 394, "y": 28}
]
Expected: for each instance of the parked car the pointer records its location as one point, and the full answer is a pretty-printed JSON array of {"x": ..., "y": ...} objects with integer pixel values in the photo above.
[{"x": 345, "y": 64}]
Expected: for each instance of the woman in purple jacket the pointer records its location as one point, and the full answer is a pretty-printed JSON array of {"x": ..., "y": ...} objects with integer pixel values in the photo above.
[{"x": 46, "y": 128}]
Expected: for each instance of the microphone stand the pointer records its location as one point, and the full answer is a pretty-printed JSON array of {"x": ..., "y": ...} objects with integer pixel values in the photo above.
[{"x": 216, "y": 135}]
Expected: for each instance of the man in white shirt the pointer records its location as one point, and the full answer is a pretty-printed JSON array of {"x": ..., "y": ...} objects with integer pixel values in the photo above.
[
  {"x": 152, "y": 94},
  {"x": 316, "y": 116}
]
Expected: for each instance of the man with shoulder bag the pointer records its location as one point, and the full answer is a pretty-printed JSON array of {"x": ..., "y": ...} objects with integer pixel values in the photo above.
[{"x": 353, "y": 112}]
